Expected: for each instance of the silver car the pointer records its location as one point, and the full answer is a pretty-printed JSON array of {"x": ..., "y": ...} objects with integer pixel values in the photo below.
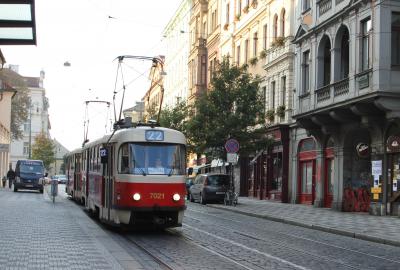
[{"x": 209, "y": 187}]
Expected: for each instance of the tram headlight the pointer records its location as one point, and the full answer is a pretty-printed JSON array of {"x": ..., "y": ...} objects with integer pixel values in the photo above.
[
  {"x": 176, "y": 197},
  {"x": 136, "y": 196}
]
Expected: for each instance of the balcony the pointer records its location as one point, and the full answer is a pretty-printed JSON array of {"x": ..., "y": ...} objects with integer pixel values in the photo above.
[
  {"x": 332, "y": 90},
  {"x": 278, "y": 52}
]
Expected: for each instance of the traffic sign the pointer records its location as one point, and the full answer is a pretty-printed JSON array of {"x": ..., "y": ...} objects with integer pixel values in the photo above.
[
  {"x": 232, "y": 146},
  {"x": 232, "y": 158}
]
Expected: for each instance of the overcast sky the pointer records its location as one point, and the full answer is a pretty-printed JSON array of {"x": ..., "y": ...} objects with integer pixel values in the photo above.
[{"x": 90, "y": 34}]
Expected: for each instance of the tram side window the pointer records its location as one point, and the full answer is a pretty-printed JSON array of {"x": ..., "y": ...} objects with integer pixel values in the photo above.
[{"x": 124, "y": 159}]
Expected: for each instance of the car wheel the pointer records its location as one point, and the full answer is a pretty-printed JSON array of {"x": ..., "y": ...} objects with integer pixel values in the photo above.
[
  {"x": 41, "y": 190},
  {"x": 202, "y": 199},
  {"x": 15, "y": 189}
]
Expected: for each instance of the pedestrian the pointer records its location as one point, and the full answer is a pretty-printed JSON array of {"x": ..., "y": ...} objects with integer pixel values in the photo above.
[
  {"x": 10, "y": 176},
  {"x": 4, "y": 181}
]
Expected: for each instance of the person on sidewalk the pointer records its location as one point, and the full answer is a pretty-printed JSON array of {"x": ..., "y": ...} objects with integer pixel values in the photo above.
[
  {"x": 4, "y": 179},
  {"x": 10, "y": 176}
]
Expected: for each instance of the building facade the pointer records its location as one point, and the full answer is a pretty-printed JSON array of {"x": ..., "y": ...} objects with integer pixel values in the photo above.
[
  {"x": 38, "y": 119},
  {"x": 176, "y": 35},
  {"x": 6, "y": 95},
  {"x": 198, "y": 57},
  {"x": 58, "y": 166},
  {"x": 345, "y": 149},
  {"x": 153, "y": 98}
]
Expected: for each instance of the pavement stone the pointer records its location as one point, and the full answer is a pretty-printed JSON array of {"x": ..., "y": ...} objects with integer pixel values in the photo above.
[
  {"x": 37, "y": 234},
  {"x": 379, "y": 229}
]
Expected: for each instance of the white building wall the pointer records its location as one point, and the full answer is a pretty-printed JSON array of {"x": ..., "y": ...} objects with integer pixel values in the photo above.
[
  {"x": 39, "y": 123},
  {"x": 177, "y": 37}
]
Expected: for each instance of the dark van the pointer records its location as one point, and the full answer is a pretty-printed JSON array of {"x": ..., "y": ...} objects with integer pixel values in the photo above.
[
  {"x": 209, "y": 187},
  {"x": 29, "y": 174}
]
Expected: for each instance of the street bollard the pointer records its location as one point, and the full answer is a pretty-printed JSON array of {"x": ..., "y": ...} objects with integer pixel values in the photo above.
[{"x": 54, "y": 189}]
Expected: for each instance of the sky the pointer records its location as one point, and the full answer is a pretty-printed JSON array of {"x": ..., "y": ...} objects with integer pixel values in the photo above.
[{"x": 90, "y": 34}]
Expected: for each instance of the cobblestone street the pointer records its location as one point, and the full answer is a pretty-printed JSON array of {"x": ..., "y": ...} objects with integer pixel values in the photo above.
[{"x": 37, "y": 234}]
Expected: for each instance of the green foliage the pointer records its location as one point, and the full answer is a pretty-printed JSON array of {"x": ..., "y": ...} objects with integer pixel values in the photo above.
[
  {"x": 233, "y": 108},
  {"x": 43, "y": 149},
  {"x": 263, "y": 54},
  {"x": 20, "y": 102},
  {"x": 278, "y": 42},
  {"x": 152, "y": 112},
  {"x": 253, "y": 61},
  {"x": 270, "y": 115},
  {"x": 280, "y": 111},
  {"x": 175, "y": 117}
]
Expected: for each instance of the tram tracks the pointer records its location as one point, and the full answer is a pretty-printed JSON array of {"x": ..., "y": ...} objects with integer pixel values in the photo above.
[{"x": 323, "y": 258}]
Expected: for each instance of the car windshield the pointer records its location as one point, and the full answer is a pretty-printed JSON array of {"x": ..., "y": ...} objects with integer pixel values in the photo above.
[
  {"x": 144, "y": 159},
  {"x": 218, "y": 180},
  {"x": 60, "y": 177},
  {"x": 36, "y": 169}
]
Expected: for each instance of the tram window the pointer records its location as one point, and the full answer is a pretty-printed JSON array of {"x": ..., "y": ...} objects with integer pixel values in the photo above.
[{"x": 124, "y": 159}]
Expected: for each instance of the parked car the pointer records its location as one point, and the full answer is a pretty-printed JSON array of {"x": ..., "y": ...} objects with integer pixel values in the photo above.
[
  {"x": 189, "y": 183},
  {"x": 209, "y": 187},
  {"x": 62, "y": 179}
]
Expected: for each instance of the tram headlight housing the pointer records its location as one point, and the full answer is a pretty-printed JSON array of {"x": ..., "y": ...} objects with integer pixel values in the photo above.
[
  {"x": 136, "y": 196},
  {"x": 176, "y": 197}
]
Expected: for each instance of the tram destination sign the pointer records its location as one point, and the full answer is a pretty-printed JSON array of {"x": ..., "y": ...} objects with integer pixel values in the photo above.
[{"x": 232, "y": 146}]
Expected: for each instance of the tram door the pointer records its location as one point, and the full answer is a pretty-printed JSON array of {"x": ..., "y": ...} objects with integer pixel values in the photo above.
[{"x": 108, "y": 185}]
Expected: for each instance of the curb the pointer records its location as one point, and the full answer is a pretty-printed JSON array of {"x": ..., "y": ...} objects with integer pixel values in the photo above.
[{"x": 317, "y": 227}]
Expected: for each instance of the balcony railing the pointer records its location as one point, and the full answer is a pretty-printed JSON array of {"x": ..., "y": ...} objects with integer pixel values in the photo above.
[
  {"x": 278, "y": 50},
  {"x": 341, "y": 87},
  {"x": 324, "y": 6},
  {"x": 323, "y": 93},
  {"x": 339, "y": 1}
]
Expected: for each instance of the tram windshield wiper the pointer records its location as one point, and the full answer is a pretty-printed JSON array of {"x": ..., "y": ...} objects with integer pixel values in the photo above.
[
  {"x": 140, "y": 168},
  {"x": 171, "y": 171}
]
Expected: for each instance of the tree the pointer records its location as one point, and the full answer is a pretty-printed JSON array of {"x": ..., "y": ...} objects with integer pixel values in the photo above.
[
  {"x": 175, "y": 117},
  {"x": 232, "y": 108},
  {"x": 43, "y": 149},
  {"x": 20, "y": 102}
]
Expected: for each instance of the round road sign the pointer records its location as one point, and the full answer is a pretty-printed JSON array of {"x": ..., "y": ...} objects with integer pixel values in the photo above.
[{"x": 232, "y": 146}]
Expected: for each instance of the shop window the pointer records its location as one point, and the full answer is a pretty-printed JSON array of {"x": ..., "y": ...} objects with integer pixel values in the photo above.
[
  {"x": 307, "y": 145},
  {"x": 306, "y": 177}
]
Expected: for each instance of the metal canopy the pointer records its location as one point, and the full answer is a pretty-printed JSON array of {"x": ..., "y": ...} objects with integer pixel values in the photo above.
[{"x": 17, "y": 22}]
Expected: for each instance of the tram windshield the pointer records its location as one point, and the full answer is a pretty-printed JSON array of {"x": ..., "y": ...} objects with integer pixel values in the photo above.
[{"x": 146, "y": 159}]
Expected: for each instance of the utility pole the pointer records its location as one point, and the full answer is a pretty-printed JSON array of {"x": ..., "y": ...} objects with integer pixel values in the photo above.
[{"x": 30, "y": 131}]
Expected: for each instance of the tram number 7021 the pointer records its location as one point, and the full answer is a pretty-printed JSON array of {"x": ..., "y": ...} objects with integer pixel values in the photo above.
[{"x": 157, "y": 196}]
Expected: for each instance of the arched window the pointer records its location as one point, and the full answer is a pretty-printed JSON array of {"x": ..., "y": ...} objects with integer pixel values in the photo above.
[
  {"x": 283, "y": 22},
  {"x": 275, "y": 27},
  {"x": 324, "y": 62}
]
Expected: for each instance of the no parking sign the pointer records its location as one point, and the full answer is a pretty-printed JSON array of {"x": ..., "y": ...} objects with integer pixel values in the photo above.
[{"x": 232, "y": 146}]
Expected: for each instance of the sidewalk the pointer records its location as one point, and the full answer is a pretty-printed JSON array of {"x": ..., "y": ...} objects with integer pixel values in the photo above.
[
  {"x": 380, "y": 229},
  {"x": 36, "y": 233}
]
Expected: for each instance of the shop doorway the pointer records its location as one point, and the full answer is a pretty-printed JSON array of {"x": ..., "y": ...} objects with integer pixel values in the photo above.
[
  {"x": 329, "y": 173},
  {"x": 306, "y": 177}
]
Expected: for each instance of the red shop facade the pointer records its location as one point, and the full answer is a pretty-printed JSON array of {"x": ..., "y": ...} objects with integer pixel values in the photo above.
[{"x": 269, "y": 169}]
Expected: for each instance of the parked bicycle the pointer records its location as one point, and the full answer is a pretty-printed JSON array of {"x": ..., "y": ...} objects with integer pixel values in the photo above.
[{"x": 231, "y": 197}]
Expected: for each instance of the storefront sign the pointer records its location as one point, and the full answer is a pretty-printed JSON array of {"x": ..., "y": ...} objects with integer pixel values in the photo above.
[
  {"x": 362, "y": 150},
  {"x": 376, "y": 196},
  {"x": 393, "y": 144},
  {"x": 363, "y": 81},
  {"x": 376, "y": 190},
  {"x": 376, "y": 167}
]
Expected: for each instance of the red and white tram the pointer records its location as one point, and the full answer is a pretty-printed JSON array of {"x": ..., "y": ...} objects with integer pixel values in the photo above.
[{"x": 134, "y": 177}]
